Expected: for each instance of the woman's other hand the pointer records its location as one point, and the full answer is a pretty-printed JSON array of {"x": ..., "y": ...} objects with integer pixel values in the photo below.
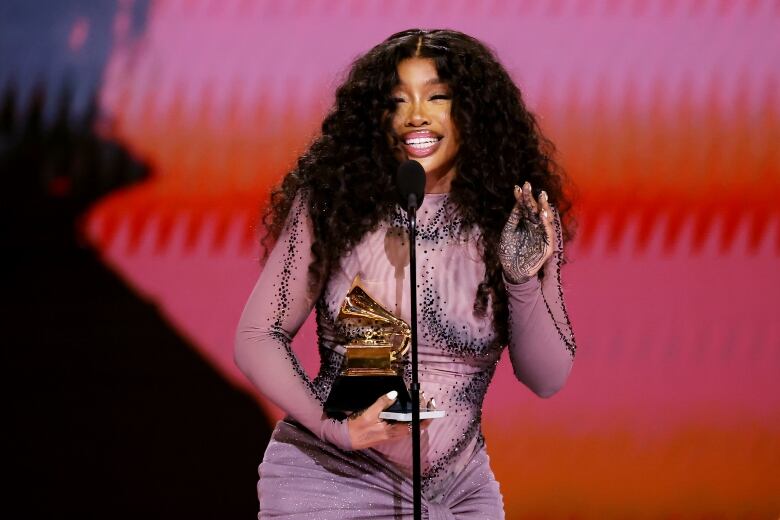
[
  {"x": 527, "y": 238},
  {"x": 366, "y": 429}
]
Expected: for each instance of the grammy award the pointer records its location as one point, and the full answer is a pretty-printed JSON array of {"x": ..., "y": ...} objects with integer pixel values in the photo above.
[{"x": 372, "y": 363}]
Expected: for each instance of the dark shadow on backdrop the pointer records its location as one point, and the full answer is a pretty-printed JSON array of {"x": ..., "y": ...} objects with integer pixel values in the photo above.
[{"x": 113, "y": 414}]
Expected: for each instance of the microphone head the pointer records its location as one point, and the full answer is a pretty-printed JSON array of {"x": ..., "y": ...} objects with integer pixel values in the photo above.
[{"x": 410, "y": 180}]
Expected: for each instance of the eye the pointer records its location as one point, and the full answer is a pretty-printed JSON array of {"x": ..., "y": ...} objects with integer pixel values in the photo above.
[
  {"x": 440, "y": 96},
  {"x": 396, "y": 99}
]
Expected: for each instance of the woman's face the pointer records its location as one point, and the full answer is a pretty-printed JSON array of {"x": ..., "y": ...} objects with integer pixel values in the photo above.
[{"x": 422, "y": 121}]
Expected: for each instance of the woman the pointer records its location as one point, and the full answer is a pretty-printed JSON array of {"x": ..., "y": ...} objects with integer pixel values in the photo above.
[{"x": 489, "y": 254}]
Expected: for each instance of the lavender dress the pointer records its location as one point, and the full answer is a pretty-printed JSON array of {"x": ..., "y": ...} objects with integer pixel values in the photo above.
[{"x": 309, "y": 470}]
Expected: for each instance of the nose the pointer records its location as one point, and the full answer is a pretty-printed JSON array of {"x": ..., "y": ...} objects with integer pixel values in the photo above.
[{"x": 417, "y": 115}]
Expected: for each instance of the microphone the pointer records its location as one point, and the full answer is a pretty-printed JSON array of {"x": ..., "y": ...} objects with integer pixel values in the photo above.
[{"x": 410, "y": 181}]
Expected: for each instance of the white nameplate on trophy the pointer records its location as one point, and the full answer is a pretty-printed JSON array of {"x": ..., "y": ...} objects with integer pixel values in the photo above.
[{"x": 407, "y": 417}]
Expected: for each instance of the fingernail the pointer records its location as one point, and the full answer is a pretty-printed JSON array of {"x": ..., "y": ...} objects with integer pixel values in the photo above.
[
  {"x": 544, "y": 213},
  {"x": 544, "y": 195},
  {"x": 433, "y": 402},
  {"x": 517, "y": 188},
  {"x": 392, "y": 394}
]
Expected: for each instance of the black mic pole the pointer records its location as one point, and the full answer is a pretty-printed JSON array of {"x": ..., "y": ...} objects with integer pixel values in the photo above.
[
  {"x": 415, "y": 388},
  {"x": 411, "y": 187}
]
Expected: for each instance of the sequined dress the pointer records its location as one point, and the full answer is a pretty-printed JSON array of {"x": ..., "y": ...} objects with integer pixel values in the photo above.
[{"x": 309, "y": 469}]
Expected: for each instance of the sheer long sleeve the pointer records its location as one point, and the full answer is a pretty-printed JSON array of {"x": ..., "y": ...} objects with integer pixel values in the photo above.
[
  {"x": 541, "y": 340},
  {"x": 279, "y": 304}
]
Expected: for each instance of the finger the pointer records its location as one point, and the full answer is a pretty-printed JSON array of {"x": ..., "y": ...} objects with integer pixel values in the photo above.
[
  {"x": 528, "y": 198},
  {"x": 380, "y": 404},
  {"x": 544, "y": 203},
  {"x": 407, "y": 427},
  {"x": 397, "y": 430},
  {"x": 549, "y": 231},
  {"x": 424, "y": 424},
  {"x": 514, "y": 217},
  {"x": 518, "y": 193},
  {"x": 546, "y": 212}
]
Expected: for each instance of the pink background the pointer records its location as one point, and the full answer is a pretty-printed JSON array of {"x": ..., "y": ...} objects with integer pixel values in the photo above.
[{"x": 667, "y": 118}]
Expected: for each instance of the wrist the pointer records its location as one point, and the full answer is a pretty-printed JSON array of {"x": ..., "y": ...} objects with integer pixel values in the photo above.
[
  {"x": 508, "y": 280},
  {"x": 337, "y": 433}
]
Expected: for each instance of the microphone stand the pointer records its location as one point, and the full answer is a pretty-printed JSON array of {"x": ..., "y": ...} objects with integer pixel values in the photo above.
[{"x": 415, "y": 387}]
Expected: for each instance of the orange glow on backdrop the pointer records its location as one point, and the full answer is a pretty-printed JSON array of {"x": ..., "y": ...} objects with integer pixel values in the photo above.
[{"x": 673, "y": 407}]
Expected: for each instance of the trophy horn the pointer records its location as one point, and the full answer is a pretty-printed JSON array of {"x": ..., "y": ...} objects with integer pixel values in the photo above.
[
  {"x": 371, "y": 360},
  {"x": 358, "y": 304}
]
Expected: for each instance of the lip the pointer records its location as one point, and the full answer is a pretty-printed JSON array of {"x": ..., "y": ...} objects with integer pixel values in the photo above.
[{"x": 420, "y": 150}]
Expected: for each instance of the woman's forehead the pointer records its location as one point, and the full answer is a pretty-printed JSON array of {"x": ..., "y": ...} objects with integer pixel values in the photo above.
[{"x": 418, "y": 72}]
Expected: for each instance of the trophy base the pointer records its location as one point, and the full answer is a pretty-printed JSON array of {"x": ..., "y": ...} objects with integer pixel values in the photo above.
[
  {"x": 354, "y": 393},
  {"x": 426, "y": 413}
]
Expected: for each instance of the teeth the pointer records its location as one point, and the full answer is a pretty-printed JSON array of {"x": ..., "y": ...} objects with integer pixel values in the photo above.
[{"x": 421, "y": 140}]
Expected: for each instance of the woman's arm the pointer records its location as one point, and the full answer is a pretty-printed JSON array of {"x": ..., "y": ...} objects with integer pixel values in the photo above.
[
  {"x": 276, "y": 309},
  {"x": 541, "y": 342}
]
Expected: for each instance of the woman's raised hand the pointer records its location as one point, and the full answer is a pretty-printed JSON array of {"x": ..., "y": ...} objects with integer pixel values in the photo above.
[
  {"x": 366, "y": 429},
  {"x": 527, "y": 238}
]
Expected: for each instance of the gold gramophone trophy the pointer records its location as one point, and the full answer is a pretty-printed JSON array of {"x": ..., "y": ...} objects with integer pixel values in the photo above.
[{"x": 372, "y": 365}]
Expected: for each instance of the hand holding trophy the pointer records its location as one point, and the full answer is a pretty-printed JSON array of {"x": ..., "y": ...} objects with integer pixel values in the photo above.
[{"x": 373, "y": 361}]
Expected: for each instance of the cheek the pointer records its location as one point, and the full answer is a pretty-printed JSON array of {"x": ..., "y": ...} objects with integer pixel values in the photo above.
[
  {"x": 454, "y": 135},
  {"x": 445, "y": 120},
  {"x": 397, "y": 122}
]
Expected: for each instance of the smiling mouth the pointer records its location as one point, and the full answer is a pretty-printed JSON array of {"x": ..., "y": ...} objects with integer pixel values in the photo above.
[
  {"x": 421, "y": 146},
  {"x": 421, "y": 143}
]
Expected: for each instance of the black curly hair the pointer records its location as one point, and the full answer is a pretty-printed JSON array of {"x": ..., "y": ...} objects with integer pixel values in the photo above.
[{"x": 501, "y": 146}]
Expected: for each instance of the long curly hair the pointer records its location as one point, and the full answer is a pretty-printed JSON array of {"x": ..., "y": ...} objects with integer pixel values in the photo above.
[{"x": 501, "y": 146}]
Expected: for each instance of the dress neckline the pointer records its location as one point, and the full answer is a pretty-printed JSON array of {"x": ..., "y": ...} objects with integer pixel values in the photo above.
[{"x": 436, "y": 196}]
